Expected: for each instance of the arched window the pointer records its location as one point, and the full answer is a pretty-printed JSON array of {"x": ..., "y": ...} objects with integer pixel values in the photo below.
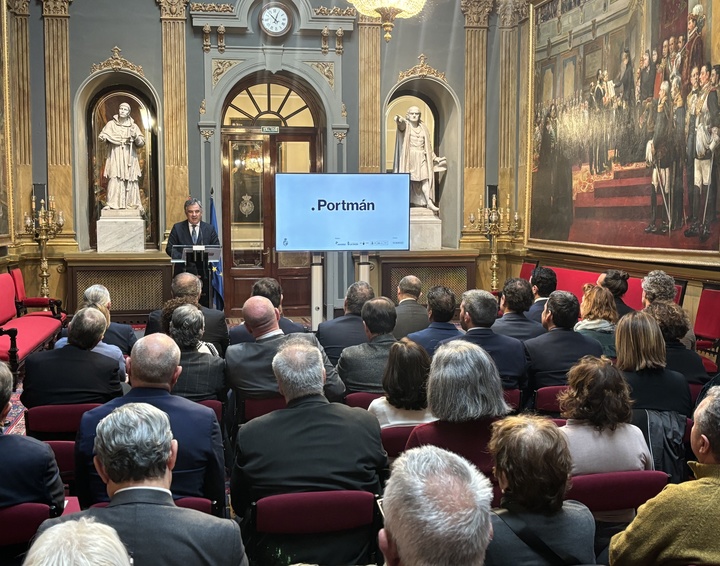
[{"x": 272, "y": 102}]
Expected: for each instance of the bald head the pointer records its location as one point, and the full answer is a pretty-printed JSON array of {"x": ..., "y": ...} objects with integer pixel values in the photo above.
[
  {"x": 260, "y": 316},
  {"x": 409, "y": 287},
  {"x": 186, "y": 285},
  {"x": 154, "y": 362}
]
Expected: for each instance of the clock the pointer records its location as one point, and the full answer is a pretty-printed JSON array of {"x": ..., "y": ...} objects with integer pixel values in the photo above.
[{"x": 275, "y": 19}]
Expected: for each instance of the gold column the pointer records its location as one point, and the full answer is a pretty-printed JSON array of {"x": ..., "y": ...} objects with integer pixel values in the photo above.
[
  {"x": 173, "y": 17},
  {"x": 476, "y": 14},
  {"x": 57, "y": 110},
  {"x": 523, "y": 88},
  {"x": 370, "y": 118}
]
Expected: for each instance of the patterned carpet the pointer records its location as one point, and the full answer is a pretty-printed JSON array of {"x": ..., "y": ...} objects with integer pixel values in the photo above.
[{"x": 15, "y": 417}]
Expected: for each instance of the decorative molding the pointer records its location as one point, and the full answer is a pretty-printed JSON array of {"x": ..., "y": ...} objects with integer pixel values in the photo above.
[
  {"x": 117, "y": 63},
  {"x": 172, "y": 9},
  {"x": 220, "y": 67},
  {"x": 211, "y": 8},
  {"x": 335, "y": 11},
  {"x": 423, "y": 70},
  {"x": 56, "y": 7},
  {"x": 221, "y": 38},
  {"x": 369, "y": 20},
  {"x": 326, "y": 69},
  {"x": 340, "y": 136},
  {"x": 207, "y": 134},
  {"x": 339, "y": 41},
  {"x": 19, "y": 7},
  {"x": 206, "y": 37},
  {"x": 325, "y": 45},
  {"x": 476, "y": 12},
  {"x": 512, "y": 12},
  {"x": 203, "y": 107},
  {"x": 343, "y": 111}
]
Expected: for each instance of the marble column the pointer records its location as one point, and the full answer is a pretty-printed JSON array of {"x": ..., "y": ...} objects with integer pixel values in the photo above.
[
  {"x": 370, "y": 116},
  {"x": 173, "y": 17}
]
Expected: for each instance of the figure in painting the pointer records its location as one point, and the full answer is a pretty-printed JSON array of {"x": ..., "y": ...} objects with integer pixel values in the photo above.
[
  {"x": 414, "y": 154},
  {"x": 660, "y": 155},
  {"x": 122, "y": 167},
  {"x": 694, "y": 47}
]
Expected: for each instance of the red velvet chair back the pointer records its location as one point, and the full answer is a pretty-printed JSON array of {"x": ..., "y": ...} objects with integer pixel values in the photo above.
[
  {"x": 55, "y": 422},
  {"x": 512, "y": 397},
  {"x": 253, "y": 408},
  {"x": 616, "y": 490},
  {"x": 526, "y": 269},
  {"x": 707, "y": 321},
  {"x": 197, "y": 503},
  {"x": 546, "y": 398},
  {"x": 361, "y": 399},
  {"x": 216, "y": 406},
  {"x": 394, "y": 439},
  {"x": 21, "y": 522},
  {"x": 64, "y": 451}
]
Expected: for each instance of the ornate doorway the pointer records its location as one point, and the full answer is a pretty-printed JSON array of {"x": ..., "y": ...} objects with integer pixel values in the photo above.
[{"x": 270, "y": 125}]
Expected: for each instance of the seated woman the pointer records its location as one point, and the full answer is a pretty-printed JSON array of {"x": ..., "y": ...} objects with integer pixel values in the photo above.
[
  {"x": 203, "y": 374},
  {"x": 616, "y": 281},
  {"x": 532, "y": 466},
  {"x": 674, "y": 325},
  {"x": 465, "y": 394},
  {"x": 405, "y": 386},
  {"x": 599, "y": 316}
]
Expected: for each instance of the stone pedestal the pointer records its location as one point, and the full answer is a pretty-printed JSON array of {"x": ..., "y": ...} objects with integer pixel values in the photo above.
[
  {"x": 120, "y": 231},
  {"x": 425, "y": 230}
]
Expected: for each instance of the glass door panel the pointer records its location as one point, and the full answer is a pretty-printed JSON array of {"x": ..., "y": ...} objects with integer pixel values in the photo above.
[
  {"x": 247, "y": 166},
  {"x": 294, "y": 157}
]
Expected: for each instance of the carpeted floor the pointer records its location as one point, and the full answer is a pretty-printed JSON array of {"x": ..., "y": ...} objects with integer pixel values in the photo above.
[{"x": 15, "y": 417}]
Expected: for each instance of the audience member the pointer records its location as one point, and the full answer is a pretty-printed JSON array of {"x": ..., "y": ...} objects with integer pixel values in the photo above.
[
  {"x": 553, "y": 354},
  {"x": 361, "y": 367},
  {"x": 81, "y": 542},
  {"x": 465, "y": 394},
  {"x": 120, "y": 335},
  {"x": 73, "y": 374},
  {"x": 411, "y": 316},
  {"x": 405, "y": 385},
  {"x": 337, "y": 334},
  {"x": 270, "y": 289},
  {"x": 674, "y": 325},
  {"x": 441, "y": 309},
  {"x": 532, "y": 467},
  {"x": 437, "y": 511},
  {"x": 153, "y": 369},
  {"x": 679, "y": 525},
  {"x": 478, "y": 311},
  {"x": 659, "y": 286},
  {"x": 312, "y": 445},
  {"x": 544, "y": 282},
  {"x": 203, "y": 374},
  {"x": 616, "y": 281},
  {"x": 248, "y": 365},
  {"x": 135, "y": 455},
  {"x": 599, "y": 316},
  {"x": 516, "y": 299},
  {"x": 189, "y": 287}
]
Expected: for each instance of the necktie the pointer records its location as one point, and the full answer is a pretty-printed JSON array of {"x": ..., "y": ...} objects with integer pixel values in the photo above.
[{"x": 194, "y": 233}]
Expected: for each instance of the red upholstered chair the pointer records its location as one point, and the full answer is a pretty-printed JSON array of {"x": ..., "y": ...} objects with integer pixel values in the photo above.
[
  {"x": 546, "y": 399},
  {"x": 512, "y": 397},
  {"x": 253, "y": 408},
  {"x": 19, "y": 524},
  {"x": 707, "y": 322},
  {"x": 198, "y": 503},
  {"x": 64, "y": 451},
  {"x": 216, "y": 406},
  {"x": 394, "y": 439},
  {"x": 526, "y": 269},
  {"x": 55, "y": 422},
  {"x": 616, "y": 490},
  {"x": 23, "y": 302},
  {"x": 710, "y": 367},
  {"x": 361, "y": 399},
  {"x": 695, "y": 389}
]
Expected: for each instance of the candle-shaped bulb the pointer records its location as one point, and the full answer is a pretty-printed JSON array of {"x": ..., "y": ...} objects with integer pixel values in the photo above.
[{"x": 61, "y": 219}]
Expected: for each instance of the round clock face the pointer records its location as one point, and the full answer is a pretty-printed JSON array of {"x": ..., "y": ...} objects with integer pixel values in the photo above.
[{"x": 275, "y": 19}]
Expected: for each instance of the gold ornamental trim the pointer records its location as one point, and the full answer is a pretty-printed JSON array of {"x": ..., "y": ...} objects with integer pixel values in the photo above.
[
  {"x": 117, "y": 63},
  {"x": 220, "y": 67},
  {"x": 340, "y": 136},
  {"x": 512, "y": 12},
  {"x": 423, "y": 70},
  {"x": 335, "y": 11},
  {"x": 477, "y": 12},
  {"x": 326, "y": 69},
  {"x": 172, "y": 9},
  {"x": 211, "y": 8},
  {"x": 55, "y": 7},
  {"x": 207, "y": 134},
  {"x": 19, "y": 7}
]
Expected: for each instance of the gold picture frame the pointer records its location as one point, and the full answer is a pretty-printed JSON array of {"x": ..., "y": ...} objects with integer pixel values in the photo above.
[{"x": 6, "y": 160}]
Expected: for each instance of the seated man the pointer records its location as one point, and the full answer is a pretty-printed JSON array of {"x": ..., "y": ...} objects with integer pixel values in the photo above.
[
  {"x": 478, "y": 311},
  {"x": 153, "y": 369},
  {"x": 312, "y": 445},
  {"x": 411, "y": 315},
  {"x": 248, "y": 365},
  {"x": 337, "y": 334},
  {"x": 135, "y": 454},
  {"x": 269, "y": 288},
  {"x": 437, "y": 510},
  {"x": 678, "y": 526},
  {"x": 117, "y": 334},
  {"x": 516, "y": 299},
  {"x": 544, "y": 282},
  {"x": 189, "y": 287},
  {"x": 441, "y": 310},
  {"x": 362, "y": 367},
  {"x": 552, "y": 354},
  {"x": 659, "y": 286},
  {"x": 73, "y": 374}
]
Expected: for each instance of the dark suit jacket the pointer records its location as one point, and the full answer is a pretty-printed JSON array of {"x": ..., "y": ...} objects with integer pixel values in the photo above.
[
  {"x": 659, "y": 390},
  {"x": 337, "y": 334},
  {"x": 552, "y": 354},
  {"x": 507, "y": 353},
  {"x": 239, "y": 334},
  {"x": 686, "y": 362},
  {"x": 622, "y": 308},
  {"x": 216, "y": 330},
  {"x": 155, "y": 531},
  {"x": 362, "y": 367},
  {"x": 517, "y": 326},
  {"x": 120, "y": 335},
  {"x": 29, "y": 473},
  {"x": 248, "y": 368},
  {"x": 535, "y": 311},
  {"x": 180, "y": 236},
  {"x": 411, "y": 317},
  {"x": 200, "y": 467},
  {"x": 69, "y": 376},
  {"x": 435, "y": 333},
  {"x": 202, "y": 377}
]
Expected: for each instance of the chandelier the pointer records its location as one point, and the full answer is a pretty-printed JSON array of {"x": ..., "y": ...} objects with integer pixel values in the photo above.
[{"x": 388, "y": 10}]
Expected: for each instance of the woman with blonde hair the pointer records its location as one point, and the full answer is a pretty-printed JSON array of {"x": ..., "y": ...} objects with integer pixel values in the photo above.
[{"x": 599, "y": 316}]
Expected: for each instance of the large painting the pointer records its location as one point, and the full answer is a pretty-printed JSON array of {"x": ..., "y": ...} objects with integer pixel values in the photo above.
[
  {"x": 625, "y": 151},
  {"x": 5, "y": 138}
]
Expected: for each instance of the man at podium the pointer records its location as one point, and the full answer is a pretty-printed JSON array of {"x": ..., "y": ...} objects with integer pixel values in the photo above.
[{"x": 190, "y": 232}]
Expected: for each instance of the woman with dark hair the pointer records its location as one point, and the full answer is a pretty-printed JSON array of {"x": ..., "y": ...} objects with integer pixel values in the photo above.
[
  {"x": 405, "y": 387},
  {"x": 616, "y": 281},
  {"x": 598, "y": 317},
  {"x": 532, "y": 467}
]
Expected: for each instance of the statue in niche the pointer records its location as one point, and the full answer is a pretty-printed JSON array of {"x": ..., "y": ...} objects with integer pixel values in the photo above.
[
  {"x": 122, "y": 167},
  {"x": 414, "y": 154}
]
